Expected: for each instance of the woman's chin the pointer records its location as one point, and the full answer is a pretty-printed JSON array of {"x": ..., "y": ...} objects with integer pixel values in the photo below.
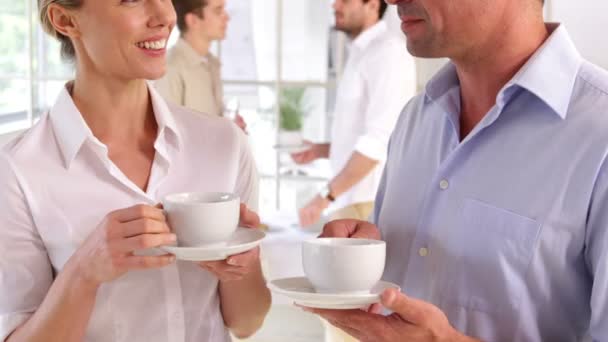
[{"x": 154, "y": 75}]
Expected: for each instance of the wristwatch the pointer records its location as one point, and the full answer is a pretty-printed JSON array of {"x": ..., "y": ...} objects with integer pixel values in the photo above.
[{"x": 325, "y": 192}]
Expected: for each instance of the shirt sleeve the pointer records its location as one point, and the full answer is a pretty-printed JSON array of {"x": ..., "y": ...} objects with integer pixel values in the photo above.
[
  {"x": 25, "y": 270},
  {"x": 596, "y": 257},
  {"x": 171, "y": 87},
  {"x": 247, "y": 185},
  {"x": 390, "y": 78}
]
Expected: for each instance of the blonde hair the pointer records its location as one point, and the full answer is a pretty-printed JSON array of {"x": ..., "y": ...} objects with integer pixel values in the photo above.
[{"x": 67, "y": 48}]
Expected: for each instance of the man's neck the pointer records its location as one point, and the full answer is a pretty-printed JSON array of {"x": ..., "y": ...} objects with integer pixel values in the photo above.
[
  {"x": 366, "y": 26},
  {"x": 200, "y": 44},
  {"x": 483, "y": 72}
]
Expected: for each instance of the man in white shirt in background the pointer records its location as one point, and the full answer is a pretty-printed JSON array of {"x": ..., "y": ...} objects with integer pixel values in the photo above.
[
  {"x": 378, "y": 80},
  {"x": 193, "y": 77}
]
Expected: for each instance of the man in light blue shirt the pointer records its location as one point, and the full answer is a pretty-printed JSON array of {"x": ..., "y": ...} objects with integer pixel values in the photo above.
[{"x": 494, "y": 199}]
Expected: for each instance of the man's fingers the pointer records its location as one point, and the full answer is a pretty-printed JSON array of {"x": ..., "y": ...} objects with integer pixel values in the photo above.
[
  {"x": 138, "y": 212},
  {"x": 351, "y": 331},
  {"x": 410, "y": 309},
  {"x": 309, "y": 217},
  {"x": 375, "y": 309},
  {"x": 339, "y": 228},
  {"x": 353, "y": 322},
  {"x": 303, "y": 217},
  {"x": 248, "y": 218},
  {"x": 336, "y": 315},
  {"x": 349, "y": 228},
  {"x": 302, "y": 157},
  {"x": 144, "y": 226},
  {"x": 210, "y": 264},
  {"x": 366, "y": 230}
]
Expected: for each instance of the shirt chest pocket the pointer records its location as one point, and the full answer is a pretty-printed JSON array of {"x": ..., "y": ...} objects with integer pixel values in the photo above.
[{"x": 492, "y": 253}]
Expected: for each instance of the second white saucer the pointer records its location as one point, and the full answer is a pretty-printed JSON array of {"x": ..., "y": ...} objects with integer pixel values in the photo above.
[
  {"x": 242, "y": 240},
  {"x": 301, "y": 291}
]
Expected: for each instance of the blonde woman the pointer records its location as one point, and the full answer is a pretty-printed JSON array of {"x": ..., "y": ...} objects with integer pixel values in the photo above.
[{"x": 78, "y": 195}]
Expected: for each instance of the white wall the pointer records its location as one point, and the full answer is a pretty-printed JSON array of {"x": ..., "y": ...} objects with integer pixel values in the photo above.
[{"x": 587, "y": 23}]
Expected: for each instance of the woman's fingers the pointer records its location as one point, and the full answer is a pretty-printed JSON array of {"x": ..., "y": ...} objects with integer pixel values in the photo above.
[
  {"x": 137, "y": 212},
  {"x": 143, "y": 226},
  {"x": 144, "y": 241},
  {"x": 147, "y": 262}
]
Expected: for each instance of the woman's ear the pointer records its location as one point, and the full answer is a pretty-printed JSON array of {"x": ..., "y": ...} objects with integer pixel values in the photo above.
[{"x": 63, "y": 20}]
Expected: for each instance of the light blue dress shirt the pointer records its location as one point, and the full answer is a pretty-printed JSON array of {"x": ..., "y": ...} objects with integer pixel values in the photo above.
[{"x": 506, "y": 231}]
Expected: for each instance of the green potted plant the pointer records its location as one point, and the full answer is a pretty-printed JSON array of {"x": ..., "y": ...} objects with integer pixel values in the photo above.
[{"x": 292, "y": 110}]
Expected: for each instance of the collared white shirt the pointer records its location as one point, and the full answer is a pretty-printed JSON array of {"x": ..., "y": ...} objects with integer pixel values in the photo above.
[
  {"x": 378, "y": 80},
  {"x": 57, "y": 184},
  {"x": 506, "y": 231}
]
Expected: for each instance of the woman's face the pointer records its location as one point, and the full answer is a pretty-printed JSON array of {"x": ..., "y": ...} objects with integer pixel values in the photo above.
[{"x": 124, "y": 39}]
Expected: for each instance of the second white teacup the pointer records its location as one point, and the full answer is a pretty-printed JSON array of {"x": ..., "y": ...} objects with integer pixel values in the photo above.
[
  {"x": 340, "y": 265},
  {"x": 202, "y": 219}
]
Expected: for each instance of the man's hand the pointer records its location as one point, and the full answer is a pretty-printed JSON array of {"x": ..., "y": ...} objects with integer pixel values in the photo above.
[
  {"x": 306, "y": 156},
  {"x": 311, "y": 213},
  {"x": 412, "y": 320},
  {"x": 314, "y": 152},
  {"x": 237, "y": 267},
  {"x": 239, "y": 121},
  {"x": 351, "y": 229}
]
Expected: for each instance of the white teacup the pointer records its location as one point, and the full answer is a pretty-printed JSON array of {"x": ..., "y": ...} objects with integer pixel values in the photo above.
[
  {"x": 202, "y": 219},
  {"x": 340, "y": 265}
]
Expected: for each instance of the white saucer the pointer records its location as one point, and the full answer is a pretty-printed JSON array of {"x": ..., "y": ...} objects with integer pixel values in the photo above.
[
  {"x": 292, "y": 148},
  {"x": 301, "y": 291},
  {"x": 241, "y": 241}
]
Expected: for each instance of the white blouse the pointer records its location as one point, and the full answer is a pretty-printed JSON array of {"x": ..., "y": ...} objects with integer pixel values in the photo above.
[{"x": 56, "y": 185}]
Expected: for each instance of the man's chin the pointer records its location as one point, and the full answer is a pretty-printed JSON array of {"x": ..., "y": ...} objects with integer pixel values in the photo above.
[
  {"x": 341, "y": 28},
  {"x": 421, "y": 51}
]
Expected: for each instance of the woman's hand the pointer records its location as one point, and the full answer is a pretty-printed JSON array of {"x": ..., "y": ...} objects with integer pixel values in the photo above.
[
  {"x": 237, "y": 267},
  {"x": 107, "y": 253}
]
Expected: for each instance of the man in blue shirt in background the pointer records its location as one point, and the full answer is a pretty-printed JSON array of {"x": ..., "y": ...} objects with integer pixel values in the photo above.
[{"x": 494, "y": 199}]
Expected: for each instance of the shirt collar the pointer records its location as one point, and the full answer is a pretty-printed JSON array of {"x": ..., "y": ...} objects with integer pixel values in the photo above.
[
  {"x": 549, "y": 74},
  {"x": 192, "y": 57},
  {"x": 71, "y": 131},
  {"x": 366, "y": 37},
  {"x": 444, "y": 80},
  {"x": 165, "y": 119}
]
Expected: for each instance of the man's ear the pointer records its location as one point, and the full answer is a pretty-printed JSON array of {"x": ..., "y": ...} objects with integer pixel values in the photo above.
[
  {"x": 63, "y": 20},
  {"x": 191, "y": 19},
  {"x": 374, "y": 6}
]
